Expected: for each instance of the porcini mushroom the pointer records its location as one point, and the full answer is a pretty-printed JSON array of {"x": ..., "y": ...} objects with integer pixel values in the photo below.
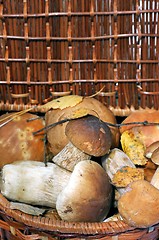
[
  {"x": 151, "y": 148},
  {"x": 139, "y": 205},
  {"x": 88, "y": 136},
  {"x": 88, "y": 194},
  {"x": 135, "y": 138},
  {"x": 115, "y": 160},
  {"x": 56, "y": 136},
  {"x": 155, "y": 156},
  {"x": 33, "y": 183},
  {"x": 120, "y": 169},
  {"x": 17, "y": 141}
]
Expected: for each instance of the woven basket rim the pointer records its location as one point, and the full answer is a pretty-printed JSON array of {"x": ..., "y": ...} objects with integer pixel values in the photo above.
[
  {"x": 47, "y": 224},
  {"x": 111, "y": 228}
]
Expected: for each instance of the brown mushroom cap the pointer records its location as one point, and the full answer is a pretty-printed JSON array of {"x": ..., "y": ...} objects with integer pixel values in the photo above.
[
  {"x": 90, "y": 135},
  {"x": 56, "y": 136},
  {"x": 17, "y": 141},
  {"x": 139, "y": 205},
  {"x": 88, "y": 194},
  {"x": 149, "y": 115}
]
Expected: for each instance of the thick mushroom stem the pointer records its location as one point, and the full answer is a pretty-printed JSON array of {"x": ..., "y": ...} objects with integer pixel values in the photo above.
[
  {"x": 69, "y": 157},
  {"x": 32, "y": 183},
  {"x": 93, "y": 139},
  {"x": 114, "y": 161}
]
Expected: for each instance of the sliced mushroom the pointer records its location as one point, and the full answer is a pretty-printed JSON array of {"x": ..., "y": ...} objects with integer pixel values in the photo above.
[
  {"x": 88, "y": 136},
  {"x": 137, "y": 136},
  {"x": 88, "y": 194}
]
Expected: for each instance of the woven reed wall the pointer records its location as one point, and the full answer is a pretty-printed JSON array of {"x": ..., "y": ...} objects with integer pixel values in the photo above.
[{"x": 53, "y": 48}]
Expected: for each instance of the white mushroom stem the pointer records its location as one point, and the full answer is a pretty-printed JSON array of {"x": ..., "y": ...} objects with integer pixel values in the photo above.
[
  {"x": 114, "y": 161},
  {"x": 33, "y": 183},
  {"x": 69, "y": 156}
]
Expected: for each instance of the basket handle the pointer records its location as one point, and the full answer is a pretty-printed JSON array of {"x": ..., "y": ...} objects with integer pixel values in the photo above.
[
  {"x": 60, "y": 94},
  {"x": 20, "y": 95},
  {"x": 56, "y": 94},
  {"x": 146, "y": 92},
  {"x": 24, "y": 95},
  {"x": 106, "y": 94}
]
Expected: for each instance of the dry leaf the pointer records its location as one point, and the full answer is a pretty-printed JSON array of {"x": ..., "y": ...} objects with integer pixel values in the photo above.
[
  {"x": 78, "y": 113},
  {"x": 63, "y": 102},
  {"x": 59, "y": 103}
]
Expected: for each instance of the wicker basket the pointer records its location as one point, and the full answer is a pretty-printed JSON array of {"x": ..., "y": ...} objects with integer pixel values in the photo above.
[
  {"x": 17, "y": 225},
  {"x": 109, "y": 48}
]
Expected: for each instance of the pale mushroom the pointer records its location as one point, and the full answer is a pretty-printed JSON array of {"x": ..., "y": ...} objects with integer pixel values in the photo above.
[
  {"x": 114, "y": 162},
  {"x": 87, "y": 196},
  {"x": 155, "y": 156},
  {"x": 88, "y": 136},
  {"x": 151, "y": 148},
  {"x": 33, "y": 183}
]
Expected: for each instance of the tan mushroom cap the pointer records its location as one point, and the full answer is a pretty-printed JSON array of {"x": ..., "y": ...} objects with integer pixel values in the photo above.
[
  {"x": 139, "y": 205},
  {"x": 17, "y": 141},
  {"x": 90, "y": 135},
  {"x": 88, "y": 195},
  {"x": 149, "y": 115}
]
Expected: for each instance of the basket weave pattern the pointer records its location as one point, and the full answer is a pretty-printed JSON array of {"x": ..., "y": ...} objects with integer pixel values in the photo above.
[
  {"x": 18, "y": 225},
  {"x": 84, "y": 47},
  {"x": 53, "y": 48}
]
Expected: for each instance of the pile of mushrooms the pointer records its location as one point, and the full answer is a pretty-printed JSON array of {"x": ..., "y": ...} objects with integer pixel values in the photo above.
[
  {"x": 79, "y": 180},
  {"x": 73, "y": 183},
  {"x": 138, "y": 202},
  {"x": 88, "y": 194}
]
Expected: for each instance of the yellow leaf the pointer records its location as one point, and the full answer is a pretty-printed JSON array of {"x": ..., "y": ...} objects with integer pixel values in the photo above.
[
  {"x": 79, "y": 113},
  {"x": 63, "y": 102}
]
